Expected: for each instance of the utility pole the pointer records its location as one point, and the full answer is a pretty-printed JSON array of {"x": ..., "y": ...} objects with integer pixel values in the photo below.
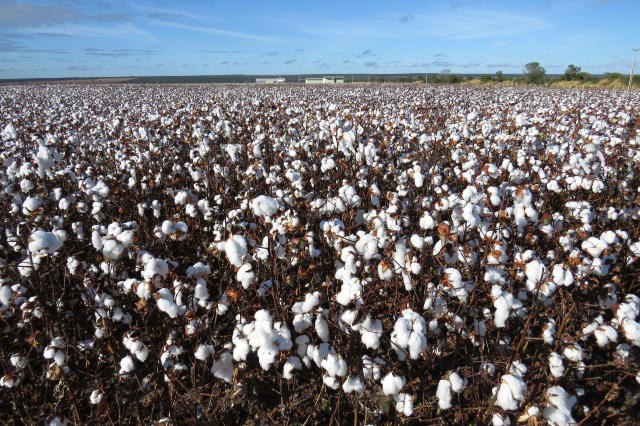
[
  {"x": 426, "y": 78},
  {"x": 633, "y": 67}
]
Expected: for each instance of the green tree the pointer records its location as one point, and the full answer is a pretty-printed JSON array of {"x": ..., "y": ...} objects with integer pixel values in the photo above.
[
  {"x": 572, "y": 72},
  {"x": 534, "y": 73}
]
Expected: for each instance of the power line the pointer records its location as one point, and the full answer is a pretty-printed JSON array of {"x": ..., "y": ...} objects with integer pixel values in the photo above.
[{"x": 633, "y": 67}]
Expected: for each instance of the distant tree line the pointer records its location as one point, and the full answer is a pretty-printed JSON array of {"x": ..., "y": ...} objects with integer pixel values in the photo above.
[{"x": 532, "y": 73}]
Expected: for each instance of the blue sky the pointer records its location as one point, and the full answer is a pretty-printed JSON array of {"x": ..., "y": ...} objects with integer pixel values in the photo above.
[{"x": 66, "y": 38}]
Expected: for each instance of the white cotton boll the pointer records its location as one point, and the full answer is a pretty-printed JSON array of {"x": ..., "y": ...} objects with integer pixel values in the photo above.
[
  {"x": 19, "y": 361},
  {"x": 5, "y": 295},
  {"x": 201, "y": 292},
  {"x": 573, "y": 352},
  {"x": 370, "y": 331},
  {"x": 322, "y": 328},
  {"x": 235, "y": 248},
  {"x": 95, "y": 397},
  {"x": 555, "y": 365},
  {"x": 367, "y": 246},
  {"x": 511, "y": 392},
  {"x": 334, "y": 365},
  {"x": 264, "y": 206},
  {"x": 167, "y": 227},
  {"x": 535, "y": 272},
  {"x": 427, "y": 221},
  {"x": 500, "y": 420},
  {"x": 222, "y": 368},
  {"x": 167, "y": 305},
  {"x": 404, "y": 404},
  {"x": 204, "y": 352},
  {"x": 631, "y": 330},
  {"x": 44, "y": 242},
  {"x": 311, "y": 300},
  {"x": 144, "y": 290},
  {"x": 57, "y": 421},
  {"x": 302, "y": 321},
  {"x": 562, "y": 276},
  {"x": 559, "y": 406},
  {"x": 96, "y": 240},
  {"x": 127, "y": 365},
  {"x": 549, "y": 331},
  {"x": 64, "y": 204},
  {"x": 331, "y": 382},
  {"x": 293, "y": 363},
  {"x": 246, "y": 276},
  {"x": 371, "y": 367},
  {"x": 353, "y": 384},
  {"x": 30, "y": 205},
  {"x": 392, "y": 384},
  {"x": 155, "y": 267},
  {"x": 385, "y": 271},
  {"x": 444, "y": 394},
  {"x": 417, "y": 241},
  {"x": 457, "y": 383},
  {"x": 241, "y": 349},
  {"x": 59, "y": 358},
  {"x": 605, "y": 334},
  {"x": 112, "y": 249},
  {"x": 594, "y": 246}
]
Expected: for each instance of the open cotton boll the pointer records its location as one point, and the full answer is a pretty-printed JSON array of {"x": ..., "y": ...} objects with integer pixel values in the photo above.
[
  {"x": 573, "y": 352},
  {"x": 409, "y": 333},
  {"x": 631, "y": 330},
  {"x": 204, "y": 352},
  {"x": 334, "y": 365},
  {"x": 293, "y": 363},
  {"x": 42, "y": 242},
  {"x": 165, "y": 302},
  {"x": 95, "y": 397},
  {"x": 457, "y": 383},
  {"x": 555, "y": 365},
  {"x": 235, "y": 248},
  {"x": 367, "y": 246},
  {"x": 311, "y": 300},
  {"x": 404, "y": 404},
  {"x": 605, "y": 334},
  {"x": 559, "y": 406},
  {"x": 385, "y": 271},
  {"x": 222, "y": 368},
  {"x": 246, "y": 275},
  {"x": 535, "y": 272},
  {"x": 510, "y": 392},
  {"x": 443, "y": 392},
  {"x": 594, "y": 246},
  {"x": 322, "y": 328},
  {"x": 500, "y": 420},
  {"x": 198, "y": 270},
  {"x": 155, "y": 267},
  {"x": 264, "y": 206},
  {"x": 127, "y": 365},
  {"x": 371, "y": 367},
  {"x": 353, "y": 384},
  {"x": 392, "y": 384}
]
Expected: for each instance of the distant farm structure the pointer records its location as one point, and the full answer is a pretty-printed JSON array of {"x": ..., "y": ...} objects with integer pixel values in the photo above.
[
  {"x": 324, "y": 80},
  {"x": 270, "y": 80}
]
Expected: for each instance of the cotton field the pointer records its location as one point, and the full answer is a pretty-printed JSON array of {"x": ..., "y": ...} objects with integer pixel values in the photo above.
[{"x": 360, "y": 255}]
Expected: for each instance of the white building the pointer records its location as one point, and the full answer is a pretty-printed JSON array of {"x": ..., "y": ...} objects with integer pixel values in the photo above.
[
  {"x": 270, "y": 80},
  {"x": 334, "y": 79}
]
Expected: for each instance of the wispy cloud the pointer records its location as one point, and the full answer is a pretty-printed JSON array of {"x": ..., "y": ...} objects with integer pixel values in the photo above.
[
  {"x": 463, "y": 23},
  {"x": 125, "y": 30},
  {"x": 365, "y": 54},
  {"x": 208, "y": 30},
  {"x": 15, "y": 14},
  {"x": 289, "y": 61},
  {"x": 119, "y": 52}
]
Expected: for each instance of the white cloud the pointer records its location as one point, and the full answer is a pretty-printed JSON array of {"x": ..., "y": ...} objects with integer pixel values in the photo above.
[{"x": 208, "y": 30}]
